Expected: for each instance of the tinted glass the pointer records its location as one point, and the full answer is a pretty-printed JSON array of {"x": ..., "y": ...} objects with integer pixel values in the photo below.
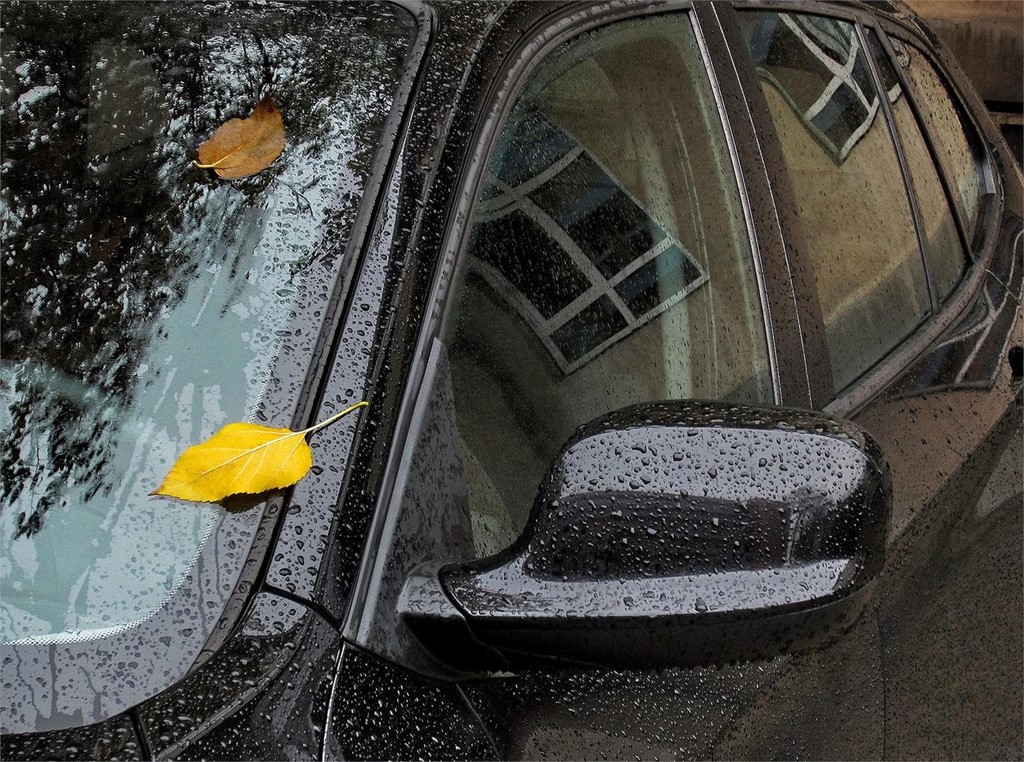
[
  {"x": 847, "y": 182},
  {"x": 960, "y": 151},
  {"x": 609, "y": 263},
  {"x": 146, "y": 303},
  {"x": 943, "y": 247}
]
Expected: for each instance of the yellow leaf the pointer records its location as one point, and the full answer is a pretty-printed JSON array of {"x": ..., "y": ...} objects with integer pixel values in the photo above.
[
  {"x": 243, "y": 458},
  {"x": 241, "y": 147}
]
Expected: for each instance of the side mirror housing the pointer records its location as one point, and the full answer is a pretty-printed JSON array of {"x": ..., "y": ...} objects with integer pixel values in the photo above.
[{"x": 674, "y": 533}]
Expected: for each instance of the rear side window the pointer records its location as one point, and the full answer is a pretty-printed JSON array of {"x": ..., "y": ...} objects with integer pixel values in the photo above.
[
  {"x": 959, "y": 149},
  {"x": 943, "y": 247},
  {"x": 847, "y": 184}
]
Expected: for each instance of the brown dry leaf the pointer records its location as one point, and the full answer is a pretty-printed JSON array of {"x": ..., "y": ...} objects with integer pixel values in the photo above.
[
  {"x": 241, "y": 147},
  {"x": 243, "y": 458}
]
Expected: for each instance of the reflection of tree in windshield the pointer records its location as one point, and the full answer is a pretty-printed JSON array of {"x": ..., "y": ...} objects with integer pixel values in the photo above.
[{"x": 105, "y": 221}]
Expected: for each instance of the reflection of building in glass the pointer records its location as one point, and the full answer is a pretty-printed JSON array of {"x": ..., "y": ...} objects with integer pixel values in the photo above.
[
  {"x": 576, "y": 255},
  {"x": 818, "y": 65}
]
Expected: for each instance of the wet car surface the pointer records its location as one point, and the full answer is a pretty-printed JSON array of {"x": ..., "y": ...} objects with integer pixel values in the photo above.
[{"x": 586, "y": 514}]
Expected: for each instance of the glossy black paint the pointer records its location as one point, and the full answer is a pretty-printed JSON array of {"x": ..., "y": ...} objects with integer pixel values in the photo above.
[
  {"x": 433, "y": 180},
  {"x": 675, "y": 533},
  {"x": 264, "y": 695},
  {"x": 113, "y": 739},
  {"x": 299, "y": 559},
  {"x": 385, "y": 712},
  {"x": 742, "y": 711}
]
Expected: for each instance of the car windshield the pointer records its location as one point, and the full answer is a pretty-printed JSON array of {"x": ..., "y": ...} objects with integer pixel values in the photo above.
[{"x": 146, "y": 302}]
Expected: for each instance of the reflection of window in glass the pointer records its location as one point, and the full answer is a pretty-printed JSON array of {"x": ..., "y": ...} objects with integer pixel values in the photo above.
[
  {"x": 943, "y": 247},
  {"x": 960, "y": 151},
  {"x": 816, "y": 64},
  {"x": 604, "y": 252},
  {"x": 855, "y": 213},
  {"x": 609, "y": 264}
]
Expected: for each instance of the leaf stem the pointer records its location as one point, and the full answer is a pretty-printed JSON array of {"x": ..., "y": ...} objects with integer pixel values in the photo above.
[
  {"x": 208, "y": 166},
  {"x": 333, "y": 418}
]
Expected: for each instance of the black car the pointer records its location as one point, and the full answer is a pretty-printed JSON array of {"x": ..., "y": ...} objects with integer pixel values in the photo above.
[{"x": 691, "y": 334}]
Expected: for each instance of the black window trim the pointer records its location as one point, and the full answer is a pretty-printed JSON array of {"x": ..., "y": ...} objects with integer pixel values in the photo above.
[
  {"x": 993, "y": 197},
  {"x": 326, "y": 391},
  {"x": 764, "y": 241},
  {"x": 901, "y": 158},
  {"x": 990, "y": 184},
  {"x": 785, "y": 332},
  {"x": 780, "y": 197}
]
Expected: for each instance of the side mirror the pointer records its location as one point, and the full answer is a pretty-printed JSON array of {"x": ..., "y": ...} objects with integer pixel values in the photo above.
[{"x": 673, "y": 533}]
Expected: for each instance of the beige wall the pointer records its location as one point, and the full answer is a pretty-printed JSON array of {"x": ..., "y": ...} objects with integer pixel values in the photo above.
[{"x": 987, "y": 38}]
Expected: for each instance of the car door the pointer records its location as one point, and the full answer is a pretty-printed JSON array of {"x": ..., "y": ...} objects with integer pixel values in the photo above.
[
  {"x": 392, "y": 698},
  {"x": 623, "y": 246},
  {"x": 939, "y": 393}
]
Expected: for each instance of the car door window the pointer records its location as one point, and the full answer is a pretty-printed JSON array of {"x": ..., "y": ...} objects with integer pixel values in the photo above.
[
  {"x": 847, "y": 184},
  {"x": 959, "y": 149},
  {"x": 943, "y": 248},
  {"x": 609, "y": 263}
]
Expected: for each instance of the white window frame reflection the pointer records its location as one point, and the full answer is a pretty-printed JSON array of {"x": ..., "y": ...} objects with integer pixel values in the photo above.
[{"x": 511, "y": 198}]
